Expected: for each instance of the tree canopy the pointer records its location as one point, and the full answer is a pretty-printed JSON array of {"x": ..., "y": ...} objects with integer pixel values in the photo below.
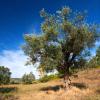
[{"x": 65, "y": 39}]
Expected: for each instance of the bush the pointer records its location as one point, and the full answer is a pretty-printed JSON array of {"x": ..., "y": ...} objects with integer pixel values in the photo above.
[
  {"x": 28, "y": 78},
  {"x": 5, "y": 75},
  {"x": 48, "y": 78},
  {"x": 35, "y": 82}
]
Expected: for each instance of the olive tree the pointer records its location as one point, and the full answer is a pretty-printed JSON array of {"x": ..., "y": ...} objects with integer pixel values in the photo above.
[{"x": 65, "y": 38}]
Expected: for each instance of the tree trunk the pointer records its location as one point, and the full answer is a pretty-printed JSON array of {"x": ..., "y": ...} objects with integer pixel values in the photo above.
[{"x": 67, "y": 81}]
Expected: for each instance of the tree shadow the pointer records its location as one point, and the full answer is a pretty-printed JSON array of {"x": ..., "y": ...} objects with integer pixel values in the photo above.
[
  {"x": 98, "y": 91},
  {"x": 7, "y": 89},
  {"x": 53, "y": 88},
  {"x": 58, "y": 87},
  {"x": 79, "y": 85}
]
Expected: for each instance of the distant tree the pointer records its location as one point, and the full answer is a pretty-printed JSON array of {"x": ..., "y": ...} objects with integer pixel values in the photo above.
[
  {"x": 98, "y": 56},
  {"x": 95, "y": 60},
  {"x": 28, "y": 78},
  {"x": 5, "y": 75},
  {"x": 65, "y": 38},
  {"x": 80, "y": 64},
  {"x": 92, "y": 63}
]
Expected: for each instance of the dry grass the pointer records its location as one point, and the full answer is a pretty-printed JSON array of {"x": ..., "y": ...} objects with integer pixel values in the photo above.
[{"x": 85, "y": 87}]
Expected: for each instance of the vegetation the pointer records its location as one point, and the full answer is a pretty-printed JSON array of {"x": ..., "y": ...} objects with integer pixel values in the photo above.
[
  {"x": 95, "y": 60},
  {"x": 5, "y": 75},
  {"x": 28, "y": 78},
  {"x": 98, "y": 56},
  {"x": 64, "y": 41},
  {"x": 48, "y": 78}
]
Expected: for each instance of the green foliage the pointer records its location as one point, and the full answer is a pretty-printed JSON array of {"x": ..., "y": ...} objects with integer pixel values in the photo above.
[
  {"x": 5, "y": 75},
  {"x": 95, "y": 61},
  {"x": 98, "y": 56},
  {"x": 28, "y": 78},
  {"x": 65, "y": 39},
  {"x": 48, "y": 78},
  {"x": 92, "y": 63}
]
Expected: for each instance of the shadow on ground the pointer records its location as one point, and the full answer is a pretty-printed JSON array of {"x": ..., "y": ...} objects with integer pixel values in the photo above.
[
  {"x": 98, "y": 91},
  {"x": 7, "y": 89},
  {"x": 53, "y": 88},
  {"x": 58, "y": 87},
  {"x": 79, "y": 85}
]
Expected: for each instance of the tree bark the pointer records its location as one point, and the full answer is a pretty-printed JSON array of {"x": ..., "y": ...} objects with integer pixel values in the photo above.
[
  {"x": 67, "y": 64},
  {"x": 67, "y": 81}
]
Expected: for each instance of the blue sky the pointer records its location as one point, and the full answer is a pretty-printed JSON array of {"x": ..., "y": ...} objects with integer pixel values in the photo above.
[{"x": 18, "y": 17}]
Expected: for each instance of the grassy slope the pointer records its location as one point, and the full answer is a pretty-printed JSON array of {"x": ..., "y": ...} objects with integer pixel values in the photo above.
[{"x": 85, "y": 87}]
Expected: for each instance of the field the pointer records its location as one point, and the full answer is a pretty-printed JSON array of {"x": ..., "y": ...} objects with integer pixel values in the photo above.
[{"x": 84, "y": 87}]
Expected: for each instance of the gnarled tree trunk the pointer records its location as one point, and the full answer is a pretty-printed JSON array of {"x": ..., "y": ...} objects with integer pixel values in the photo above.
[{"x": 67, "y": 80}]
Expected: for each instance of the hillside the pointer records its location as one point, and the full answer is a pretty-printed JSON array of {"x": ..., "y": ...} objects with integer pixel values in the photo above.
[{"x": 84, "y": 87}]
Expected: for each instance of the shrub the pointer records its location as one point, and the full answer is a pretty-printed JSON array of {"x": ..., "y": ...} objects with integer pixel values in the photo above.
[
  {"x": 5, "y": 75},
  {"x": 28, "y": 78},
  {"x": 48, "y": 78}
]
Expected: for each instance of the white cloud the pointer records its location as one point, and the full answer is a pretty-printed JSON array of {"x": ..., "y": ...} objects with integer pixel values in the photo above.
[{"x": 15, "y": 60}]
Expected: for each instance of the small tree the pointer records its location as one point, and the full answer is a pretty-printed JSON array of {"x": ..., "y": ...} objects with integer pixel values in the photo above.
[
  {"x": 28, "y": 78},
  {"x": 65, "y": 38},
  {"x": 5, "y": 75}
]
